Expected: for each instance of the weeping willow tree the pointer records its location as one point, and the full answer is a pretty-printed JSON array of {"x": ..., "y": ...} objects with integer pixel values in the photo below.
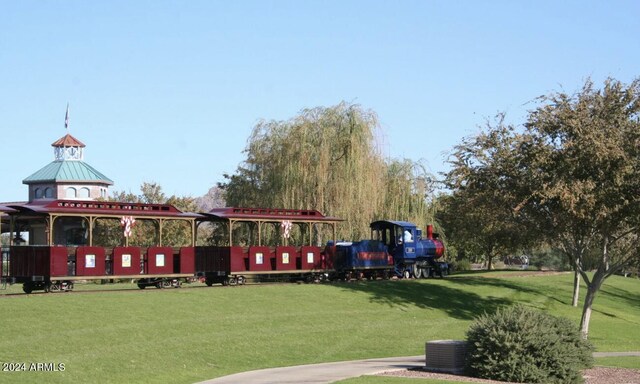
[
  {"x": 408, "y": 193},
  {"x": 328, "y": 159}
]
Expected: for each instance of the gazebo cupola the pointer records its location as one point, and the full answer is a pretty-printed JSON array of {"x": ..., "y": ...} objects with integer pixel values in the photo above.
[
  {"x": 68, "y": 176},
  {"x": 68, "y": 148}
]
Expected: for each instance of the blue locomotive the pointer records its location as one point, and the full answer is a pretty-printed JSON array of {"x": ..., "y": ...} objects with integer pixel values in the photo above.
[{"x": 396, "y": 248}]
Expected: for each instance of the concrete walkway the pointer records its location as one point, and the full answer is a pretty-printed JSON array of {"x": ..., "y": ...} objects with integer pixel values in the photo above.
[
  {"x": 615, "y": 354},
  {"x": 330, "y": 372},
  {"x": 320, "y": 373}
]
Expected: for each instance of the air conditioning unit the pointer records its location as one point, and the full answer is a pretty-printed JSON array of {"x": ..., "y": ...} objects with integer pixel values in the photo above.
[{"x": 445, "y": 356}]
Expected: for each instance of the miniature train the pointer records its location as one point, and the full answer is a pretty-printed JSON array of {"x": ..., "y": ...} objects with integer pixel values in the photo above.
[{"x": 396, "y": 248}]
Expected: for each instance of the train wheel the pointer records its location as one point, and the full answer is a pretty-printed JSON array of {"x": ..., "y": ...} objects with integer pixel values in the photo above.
[
  {"x": 406, "y": 274},
  {"x": 417, "y": 271},
  {"x": 27, "y": 287},
  {"x": 233, "y": 281},
  {"x": 242, "y": 280},
  {"x": 141, "y": 286}
]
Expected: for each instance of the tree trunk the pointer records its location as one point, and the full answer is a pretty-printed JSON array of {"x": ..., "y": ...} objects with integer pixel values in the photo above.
[
  {"x": 593, "y": 287},
  {"x": 576, "y": 288},
  {"x": 586, "y": 312}
]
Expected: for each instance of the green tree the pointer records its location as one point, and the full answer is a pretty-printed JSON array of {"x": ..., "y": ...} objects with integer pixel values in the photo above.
[
  {"x": 571, "y": 176},
  {"x": 150, "y": 193},
  {"x": 478, "y": 215},
  {"x": 580, "y": 156},
  {"x": 174, "y": 232}
]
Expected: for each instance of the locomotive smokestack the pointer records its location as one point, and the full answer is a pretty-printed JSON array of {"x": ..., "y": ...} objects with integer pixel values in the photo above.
[{"x": 430, "y": 232}]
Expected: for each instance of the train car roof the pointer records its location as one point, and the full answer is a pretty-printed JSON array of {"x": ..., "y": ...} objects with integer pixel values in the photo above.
[
  {"x": 4, "y": 208},
  {"x": 106, "y": 208},
  {"x": 387, "y": 223},
  {"x": 269, "y": 214}
]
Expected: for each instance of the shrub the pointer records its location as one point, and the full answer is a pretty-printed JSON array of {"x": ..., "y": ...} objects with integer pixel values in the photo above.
[
  {"x": 526, "y": 346},
  {"x": 548, "y": 258},
  {"x": 460, "y": 265}
]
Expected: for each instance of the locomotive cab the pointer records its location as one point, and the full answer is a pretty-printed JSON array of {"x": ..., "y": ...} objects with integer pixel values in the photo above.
[{"x": 400, "y": 237}]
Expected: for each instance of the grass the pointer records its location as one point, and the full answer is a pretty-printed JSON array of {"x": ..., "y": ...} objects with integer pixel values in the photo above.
[
  {"x": 197, "y": 333},
  {"x": 632, "y": 362}
]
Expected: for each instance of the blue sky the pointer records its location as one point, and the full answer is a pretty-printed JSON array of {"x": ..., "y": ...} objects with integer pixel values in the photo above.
[{"x": 169, "y": 91}]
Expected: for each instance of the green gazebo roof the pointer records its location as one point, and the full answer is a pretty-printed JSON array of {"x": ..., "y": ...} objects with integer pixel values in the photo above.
[{"x": 67, "y": 171}]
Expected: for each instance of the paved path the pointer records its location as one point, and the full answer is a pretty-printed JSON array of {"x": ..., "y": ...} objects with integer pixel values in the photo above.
[
  {"x": 615, "y": 354},
  {"x": 330, "y": 372},
  {"x": 320, "y": 373}
]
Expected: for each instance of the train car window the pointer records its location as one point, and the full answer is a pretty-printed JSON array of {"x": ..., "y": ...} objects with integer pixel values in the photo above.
[
  {"x": 89, "y": 261},
  {"x": 309, "y": 257},
  {"x": 388, "y": 239},
  {"x": 126, "y": 260},
  {"x": 259, "y": 258},
  {"x": 398, "y": 234},
  {"x": 160, "y": 260}
]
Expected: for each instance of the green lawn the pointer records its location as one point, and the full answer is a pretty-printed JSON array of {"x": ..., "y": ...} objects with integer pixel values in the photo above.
[
  {"x": 196, "y": 333},
  {"x": 632, "y": 362}
]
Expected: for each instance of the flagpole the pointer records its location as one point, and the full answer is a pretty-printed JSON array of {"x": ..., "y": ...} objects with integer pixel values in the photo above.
[{"x": 66, "y": 119}]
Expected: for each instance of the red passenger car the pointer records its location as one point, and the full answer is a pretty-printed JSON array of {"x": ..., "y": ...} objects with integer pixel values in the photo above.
[
  {"x": 69, "y": 240},
  {"x": 273, "y": 243}
]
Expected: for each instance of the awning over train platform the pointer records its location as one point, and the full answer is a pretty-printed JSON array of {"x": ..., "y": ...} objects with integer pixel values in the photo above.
[
  {"x": 21, "y": 216},
  {"x": 6, "y": 209},
  {"x": 233, "y": 213},
  {"x": 101, "y": 208},
  {"x": 45, "y": 219},
  {"x": 306, "y": 218}
]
